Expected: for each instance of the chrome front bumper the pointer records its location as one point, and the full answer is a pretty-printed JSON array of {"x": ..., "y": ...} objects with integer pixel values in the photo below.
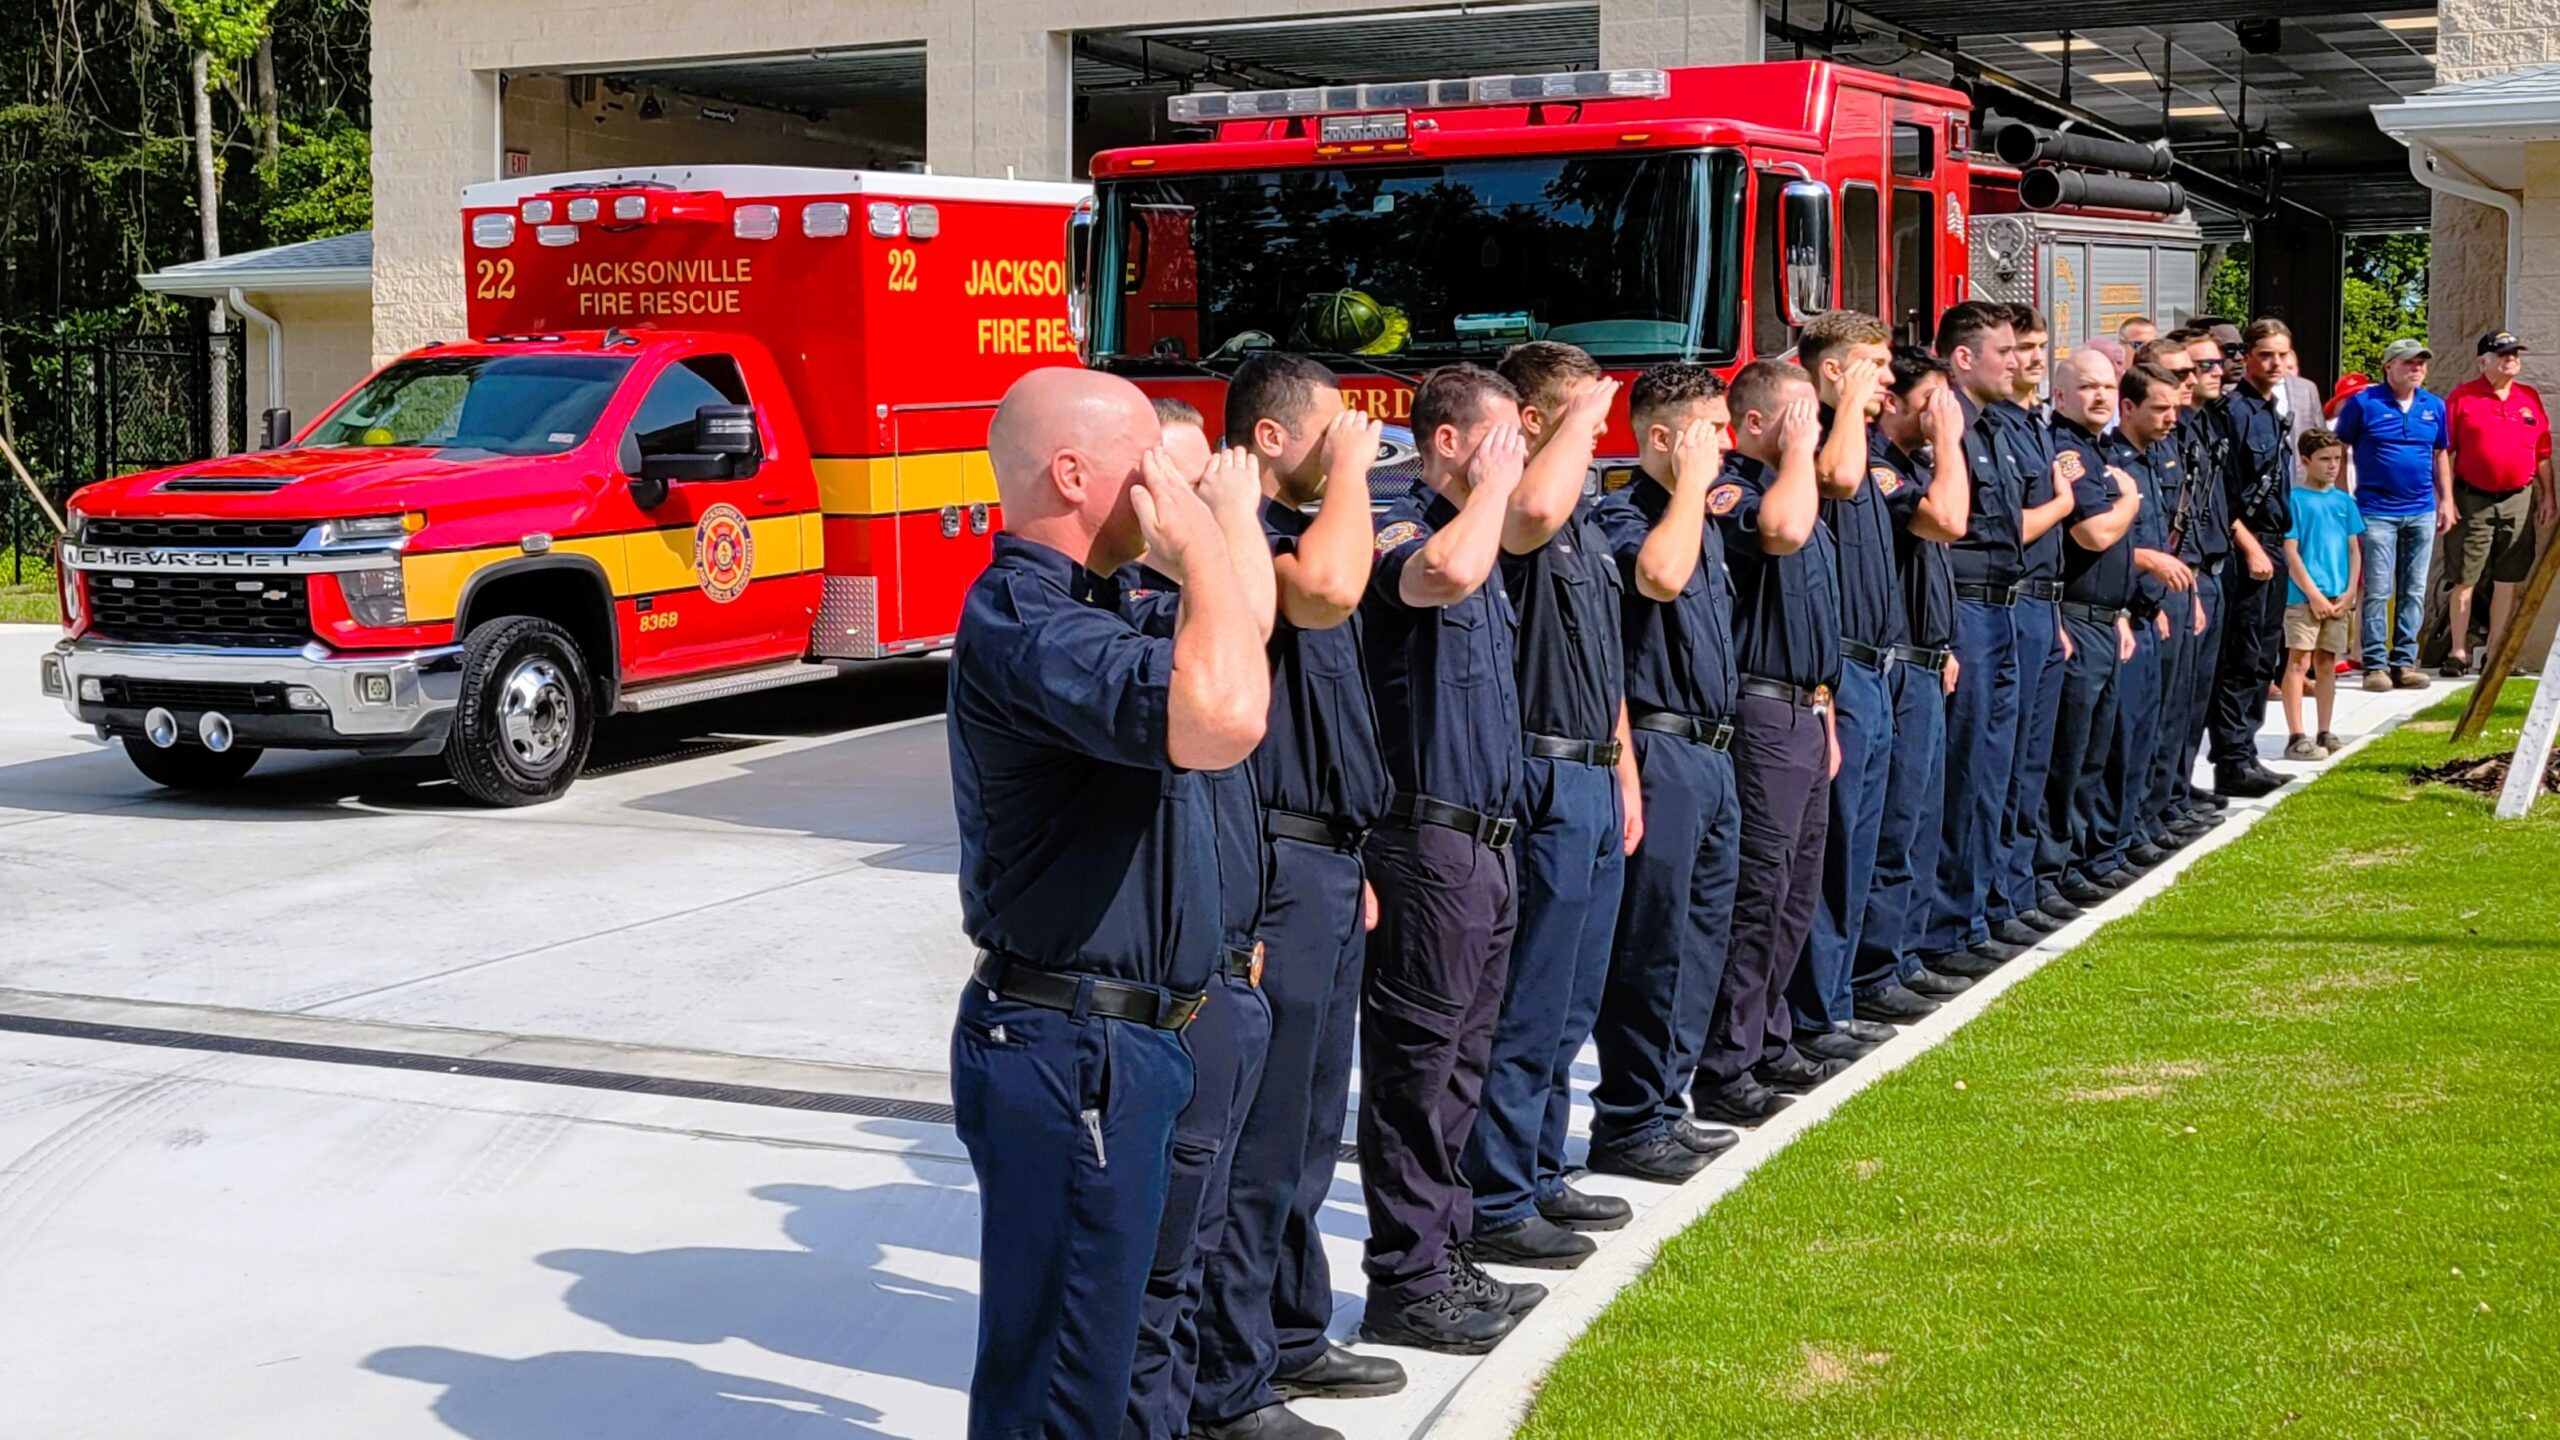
[{"x": 402, "y": 700}]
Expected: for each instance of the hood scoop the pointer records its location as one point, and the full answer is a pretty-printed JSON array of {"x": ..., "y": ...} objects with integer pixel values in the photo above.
[{"x": 225, "y": 484}]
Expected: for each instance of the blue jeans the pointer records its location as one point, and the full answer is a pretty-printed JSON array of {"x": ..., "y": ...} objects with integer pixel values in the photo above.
[{"x": 2397, "y": 549}]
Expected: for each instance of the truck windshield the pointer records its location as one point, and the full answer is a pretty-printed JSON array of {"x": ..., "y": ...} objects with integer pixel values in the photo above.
[
  {"x": 504, "y": 404},
  {"x": 1628, "y": 256}
]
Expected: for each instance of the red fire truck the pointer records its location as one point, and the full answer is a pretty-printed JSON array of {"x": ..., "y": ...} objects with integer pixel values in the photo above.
[
  {"x": 722, "y": 428},
  {"x": 1644, "y": 215}
]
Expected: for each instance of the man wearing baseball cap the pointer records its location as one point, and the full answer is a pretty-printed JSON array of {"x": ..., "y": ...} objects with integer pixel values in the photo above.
[
  {"x": 2501, "y": 444},
  {"x": 2398, "y": 432}
]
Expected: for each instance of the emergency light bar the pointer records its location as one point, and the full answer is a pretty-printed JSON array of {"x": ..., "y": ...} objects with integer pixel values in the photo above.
[{"x": 1211, "y": 105}]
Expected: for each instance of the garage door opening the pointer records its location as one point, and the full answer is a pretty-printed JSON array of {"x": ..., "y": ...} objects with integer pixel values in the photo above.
[
  {"x": 847, "y": 109},
  {"x": 1123, "y": 76}
]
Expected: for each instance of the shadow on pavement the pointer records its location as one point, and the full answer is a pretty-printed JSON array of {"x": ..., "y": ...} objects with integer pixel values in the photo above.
[
  {"x": 573, "y": 1394},
  {"x": 887, "y": 789}
]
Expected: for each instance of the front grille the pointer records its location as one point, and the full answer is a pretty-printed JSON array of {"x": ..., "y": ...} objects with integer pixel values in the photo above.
[
  {"x": 199, "y": 609},
  {"x": 275, "y": 534},
  {"x": 193, "y": 696}
]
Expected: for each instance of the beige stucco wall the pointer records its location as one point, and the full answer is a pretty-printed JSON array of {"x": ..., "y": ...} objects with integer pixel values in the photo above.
[
  {"x": 997, "y": 88},
  {"x": 328, "y": 346}
]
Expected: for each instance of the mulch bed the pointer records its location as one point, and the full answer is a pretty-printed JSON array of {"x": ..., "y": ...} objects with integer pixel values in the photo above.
[{"x": 2484, "y": 775}]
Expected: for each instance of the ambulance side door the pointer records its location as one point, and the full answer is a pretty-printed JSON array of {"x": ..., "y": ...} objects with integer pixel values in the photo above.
[{"x": 709, "y": 578}]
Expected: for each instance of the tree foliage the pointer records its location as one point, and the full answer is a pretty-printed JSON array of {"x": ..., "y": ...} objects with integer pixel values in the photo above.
[{"x": 2386, "y": 298}]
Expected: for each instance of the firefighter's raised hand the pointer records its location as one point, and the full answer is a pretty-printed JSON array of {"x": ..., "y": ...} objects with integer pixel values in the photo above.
[
  {"x": 1588, "y": 411},
  {"x": 1858, "y": 382},
  {"x": 1351, "y": 446},
  {"x": 1498, "y": 460},
  {"x": 1697, "y": 453},
  {"x": 1175, "y": 522},
  {"x": 1799, "y": 427},
  {"x": 1945, "y": 416},
  {"x": 1232, "y": 482}
]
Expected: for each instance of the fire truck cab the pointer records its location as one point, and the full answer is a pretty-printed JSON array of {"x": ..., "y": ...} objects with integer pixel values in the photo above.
[
  {"x": 723, "y": 428},
  {"x": 1644, "y": 215}
]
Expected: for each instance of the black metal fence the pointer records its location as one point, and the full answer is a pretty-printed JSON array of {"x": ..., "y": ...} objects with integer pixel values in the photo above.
[{"x": 82, "y": 410}]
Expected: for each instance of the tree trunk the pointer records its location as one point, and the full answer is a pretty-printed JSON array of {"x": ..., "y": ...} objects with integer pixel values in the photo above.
[
  {"x": 217, "y": 321},
  {"x": 270, "y": 121}
]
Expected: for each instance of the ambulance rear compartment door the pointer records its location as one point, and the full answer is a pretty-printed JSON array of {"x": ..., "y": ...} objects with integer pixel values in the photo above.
[{"x": 946, "y": 522}]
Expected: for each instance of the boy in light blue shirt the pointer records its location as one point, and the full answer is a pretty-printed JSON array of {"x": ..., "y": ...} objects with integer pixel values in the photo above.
[{"x": 2324, "y": 555}]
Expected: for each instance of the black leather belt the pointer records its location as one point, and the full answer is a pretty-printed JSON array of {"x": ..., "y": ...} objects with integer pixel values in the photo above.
[
  {"x": 1494, "y": 832},
  {"x": 1243, "y": 963},
  {"x": 1863, "y": 654},
  {"x": 1080, "y": 994},
  {"x": 1714, "y": 734},
  {"x": 1931, "y": 660},
  {"x": 1988, "y": 594},
  {"x": 1817, "y": 698},
  {"x": 1313, "y": 829},
  {"x": 2212, "y": 566},
  {"x": 1589, "y": 752},
  {"x": 2049, "y": 591},
  {"x": 2094, "y": 614}
]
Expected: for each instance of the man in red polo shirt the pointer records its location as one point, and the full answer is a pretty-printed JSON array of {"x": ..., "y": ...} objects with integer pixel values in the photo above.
[{"x": 2501, "y": 484}]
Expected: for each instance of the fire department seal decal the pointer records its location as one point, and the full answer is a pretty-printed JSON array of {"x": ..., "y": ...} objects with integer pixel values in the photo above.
[{"x": 724, "y": 553}]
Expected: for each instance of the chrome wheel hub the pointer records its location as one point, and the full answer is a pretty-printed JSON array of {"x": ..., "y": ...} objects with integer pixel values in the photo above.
[{"x": 537, "y": 713}]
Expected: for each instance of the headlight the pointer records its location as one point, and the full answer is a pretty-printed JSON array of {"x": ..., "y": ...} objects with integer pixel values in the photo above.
[
  {"x": 374, "y": 597},
  {"x": 74, "y": 522},
  {"x": 365, "y": 527}
]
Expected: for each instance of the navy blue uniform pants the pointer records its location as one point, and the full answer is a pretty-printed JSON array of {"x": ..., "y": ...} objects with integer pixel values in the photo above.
[
  {"x": 1069, "y": 1125},
  {"x": 2204, "y": 671},
  {"x": 1781, "y": 773},
  {"x": 1447, "y": 909},
  {"x": 1672, "y": 932},
  {"x": 2120, "y": 808},
  {"x": 1573, "y": 867},
  {"x": 2164, "y": 789},
  {"x": 2252, "y": 655},
  {"x": 1267, "y": 1290},
  {"x": 1982, "y": 750},
  {"x": 2040, "y": 675},
  {"x": 1822, "y": 994},
  {"x": 2083, "y": 734},
  {"x": 1226, "y": 1041},
  {"x": 1907, "y": 837}
]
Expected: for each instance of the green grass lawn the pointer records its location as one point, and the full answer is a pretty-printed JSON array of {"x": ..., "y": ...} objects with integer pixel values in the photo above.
[
  {"x": 2278, "y": 1155},
  {"x": 34, "y": 601}
]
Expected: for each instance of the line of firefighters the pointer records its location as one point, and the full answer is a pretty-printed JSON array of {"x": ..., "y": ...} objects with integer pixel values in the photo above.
[{"x": 1878, "y": 671}]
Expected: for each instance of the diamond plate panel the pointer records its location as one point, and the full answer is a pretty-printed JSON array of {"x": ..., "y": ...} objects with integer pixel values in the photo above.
[
  {"x": 2004, "y": 259},
  {"x": 849, "y": 618}
]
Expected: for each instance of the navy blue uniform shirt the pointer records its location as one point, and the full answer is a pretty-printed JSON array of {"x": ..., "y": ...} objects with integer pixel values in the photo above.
[
  {"x": 1082, "y": 846},
  {"x": 1320, "y": 755},
  {"x": 2200, "y": 523},
  {"x": 1153, "y": 603},
  {"x": 1448, "y": 699},
  {"x": 2259, "y": 465},
  {"x": 1990, "y": 552},
  {"x": 1927, "y": 575},
  {"x": 1572, "y": 673},
  {"x": 2029, "y": 444},
  {"x": 1679, "y": 652},
  {"x": 2090, "y": 577},
  {"x": 1863, "y": 528},
  {"x": 2159, "y": 473},
  {"x": 1786, "y": 608}
]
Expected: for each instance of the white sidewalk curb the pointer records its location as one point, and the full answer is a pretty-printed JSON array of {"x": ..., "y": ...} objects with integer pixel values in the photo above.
[{"x": 1491, "y": 1401}]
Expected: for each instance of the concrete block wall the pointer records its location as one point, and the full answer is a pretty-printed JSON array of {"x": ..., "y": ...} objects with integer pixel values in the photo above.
[
  {"x": 2466, "y": 280},
  {"x": 997, "y": 86}
]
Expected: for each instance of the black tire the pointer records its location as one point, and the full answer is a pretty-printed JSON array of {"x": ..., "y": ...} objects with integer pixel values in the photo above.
[
  {"x": 526, "y": 716},
  {"x": 190, "y": 767}
]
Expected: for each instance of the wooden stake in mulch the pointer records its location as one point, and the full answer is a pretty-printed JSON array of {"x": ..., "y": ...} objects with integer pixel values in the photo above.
[
  {"x": 30, "y": 482},
  {"x": 2542, "y": 722}
]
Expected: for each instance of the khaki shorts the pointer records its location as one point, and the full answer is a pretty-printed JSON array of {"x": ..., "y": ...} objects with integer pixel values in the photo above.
[
  {"x": 2492, "y": 536},
  {"x": 2306, "y": 631}
]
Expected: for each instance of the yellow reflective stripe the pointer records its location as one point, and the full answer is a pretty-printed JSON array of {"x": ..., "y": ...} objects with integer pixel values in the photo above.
[
  {"x": 889, "y": 485},
  {"x": 642, "y": 562}
]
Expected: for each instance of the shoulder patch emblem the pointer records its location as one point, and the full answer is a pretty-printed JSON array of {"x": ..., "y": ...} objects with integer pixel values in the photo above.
[
  {"x": 1397, "y": 533},
  {"x": 1722, "y": 499},
  {"x": 2067, "y": 466},
  {"x": 1888, "y": 480}
]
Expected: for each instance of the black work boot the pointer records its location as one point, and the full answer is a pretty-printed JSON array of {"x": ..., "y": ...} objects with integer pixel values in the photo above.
[
  {"x": 1536, "y": 1243},
  {"x": 1340, "y": 1374},
  {"x": 1440, "y": 1321}
]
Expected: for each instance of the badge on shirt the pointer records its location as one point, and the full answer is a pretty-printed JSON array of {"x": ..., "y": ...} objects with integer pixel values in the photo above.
[
  {"x": 1888, "y": 480},
  {"x": 1722, "y": 499},
  {"x": 1396, "y": 534},
  {"x": 2067, "y": 467}
]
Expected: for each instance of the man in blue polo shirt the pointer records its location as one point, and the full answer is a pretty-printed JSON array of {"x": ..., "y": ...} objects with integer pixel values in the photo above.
[{"x": 2399, "y": 435}]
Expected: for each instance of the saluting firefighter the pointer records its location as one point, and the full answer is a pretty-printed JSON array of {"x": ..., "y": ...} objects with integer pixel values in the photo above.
[
  {"x": 1440, "y": 655},
  {"x": 1668, "y": 961},
  {"x": 1322, "y": 780},
  {"x": 1580, "y": 815},
  {"x": 1080, "y": 747}
]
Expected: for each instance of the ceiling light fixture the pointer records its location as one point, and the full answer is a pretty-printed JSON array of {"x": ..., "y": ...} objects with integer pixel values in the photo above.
[
  {"x": 2410, "y": 22},
  {"x": 2122, "y": 77},
  {"x": 2195, "y": 112},
  {"x": 2055, "y": 47}
]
